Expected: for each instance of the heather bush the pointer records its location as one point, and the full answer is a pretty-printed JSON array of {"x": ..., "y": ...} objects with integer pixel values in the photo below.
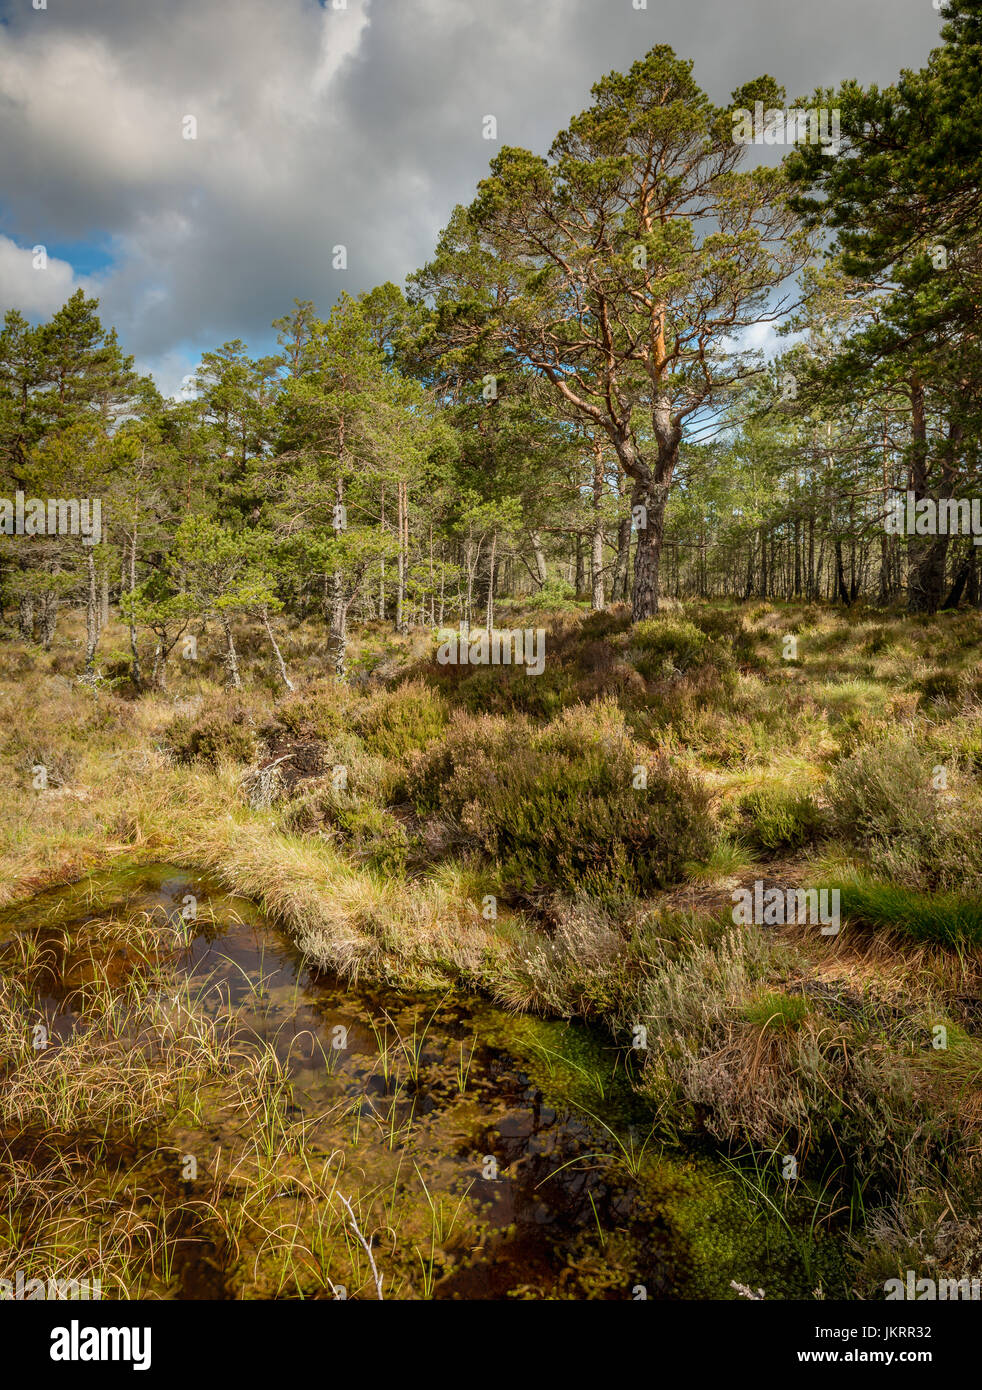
[
  {"x": 395, "y": 722},
  {"x": 212, "y": 737},
  {"x": 939, "y": 686},
  {"x": 883, "y": 793},
  {"x": 324, "y": 710},
  {"x": 667, "y": 645},
  {"x": 559, "y": 807},
  {"x": 504, "y": 690}
]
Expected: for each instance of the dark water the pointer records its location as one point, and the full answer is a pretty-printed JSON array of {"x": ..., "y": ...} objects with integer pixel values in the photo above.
[{"x": 533, "y": 1130}]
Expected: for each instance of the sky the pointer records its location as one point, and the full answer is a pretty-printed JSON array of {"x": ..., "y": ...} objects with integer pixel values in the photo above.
[{"x": 326, "y": 123}]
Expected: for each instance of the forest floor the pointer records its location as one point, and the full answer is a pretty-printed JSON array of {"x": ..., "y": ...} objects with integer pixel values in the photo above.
[{"x": 569, "y": 845}]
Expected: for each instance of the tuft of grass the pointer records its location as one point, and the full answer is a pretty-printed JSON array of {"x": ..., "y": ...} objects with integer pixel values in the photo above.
[
  {"x": 946, "y": 919},
  {"x": 782, "y": 1012}
]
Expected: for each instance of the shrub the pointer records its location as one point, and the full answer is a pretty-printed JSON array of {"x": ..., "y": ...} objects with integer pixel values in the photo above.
[
  {"x": 373, "y": 835},
  {"x": 877, "y": 641},
  {"x": 607, "y": 623},
  {"x": 940, "y": 685},
  {"x": 505, "y": 690},
  {"x": 557, "y": 807},
  {"x": 670, "y": 644},
  {"x": 620, "y": 682},
  {"x": 745, "y": 653},
  {"x": 59, "y": 763},
  {"x": 596, "y": 654},
  {"x": 716, "y": 623},
  {"x": 393, "y": 723},
  {"x": 554, "y": 596},
  {"x": 117, "y": 667},
  {"x": 780, "y": 819},
  {"x": 324, "y": 711},
  {"x": 883, "y": 793},
  {"x": 212, "y": 738},
  {"x": 368, "y": 832}
]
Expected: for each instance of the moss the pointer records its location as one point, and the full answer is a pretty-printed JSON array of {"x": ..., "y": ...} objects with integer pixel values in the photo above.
[{"x": 777, "y": 1249}]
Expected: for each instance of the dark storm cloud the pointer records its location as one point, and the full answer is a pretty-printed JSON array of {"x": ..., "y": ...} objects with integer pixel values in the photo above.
[{"x": 319, "y": 126}]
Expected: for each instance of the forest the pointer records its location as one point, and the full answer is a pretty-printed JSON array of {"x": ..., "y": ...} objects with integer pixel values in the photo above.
[
  {"x": 564, "y": 404},
  {"x": 475, "y": 667}
]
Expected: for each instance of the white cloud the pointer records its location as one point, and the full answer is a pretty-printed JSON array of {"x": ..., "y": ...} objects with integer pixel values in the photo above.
[{"x": 33, "y": 282}]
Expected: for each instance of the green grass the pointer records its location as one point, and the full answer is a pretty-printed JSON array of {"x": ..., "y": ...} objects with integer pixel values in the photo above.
[
  {"x": 945, "y": 919},
  {"x": 776, "y": 1010}
]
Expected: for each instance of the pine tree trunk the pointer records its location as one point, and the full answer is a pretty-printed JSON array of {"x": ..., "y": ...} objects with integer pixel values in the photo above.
[
  {"x": 927, "y": 554},
  {"x": 762, "y": 588},
  {"x": 443, "y": 579},
  {"x": 580, "y": 569},
  {"x": 651, "y": 495},
  {"x": 134, "y": 648},
  {"x": 748, "y": 588},
  {"x": 597, "y": 539},
  {"x": 401, "y": 585},
  {"x": 91, "y": 617},
  {"x": 538, "y": 554},
  {"x": 280, "y": 664},
  {"x": 339, "y": 630},
  {"x": 49, "y": 619},
  {"x": 840, "y": 577},
  {"x": 469, "y": 564},
  {"x": 622, "y": 564},
  {"x": 25, "y": 619},
  {"x": 489, "y": 616},
  {"x": 381, "y": 582}
]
